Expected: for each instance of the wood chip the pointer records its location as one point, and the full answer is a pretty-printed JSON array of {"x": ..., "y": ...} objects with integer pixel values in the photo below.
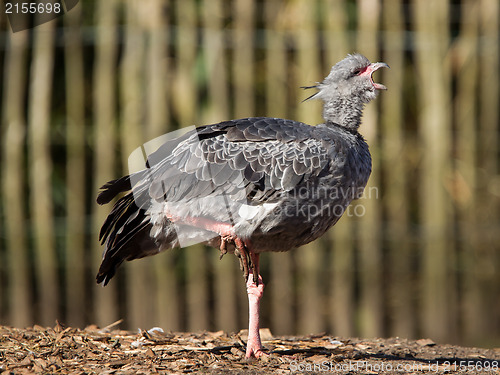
[{"x": 426, "y": 342}]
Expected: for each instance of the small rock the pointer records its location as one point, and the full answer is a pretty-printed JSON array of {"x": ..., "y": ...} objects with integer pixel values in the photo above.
[
  {"x": 334, "y": 344},
  {"x": 155, "y": 330}
]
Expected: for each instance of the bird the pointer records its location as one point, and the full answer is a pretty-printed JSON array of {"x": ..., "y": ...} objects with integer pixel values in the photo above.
[{"x": 247, "y": 186}]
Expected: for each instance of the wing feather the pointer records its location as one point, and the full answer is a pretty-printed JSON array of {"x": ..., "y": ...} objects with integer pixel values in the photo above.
[{"x": 247, "y": 149}]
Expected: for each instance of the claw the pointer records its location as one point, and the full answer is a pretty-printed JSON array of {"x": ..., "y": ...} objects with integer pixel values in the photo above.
[{"x": 223, "y": 247}]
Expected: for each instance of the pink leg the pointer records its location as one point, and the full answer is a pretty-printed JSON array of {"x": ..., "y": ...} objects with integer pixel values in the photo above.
[
  {"x": 255, "y": 292},
  {"x": 223, "y": 229}
]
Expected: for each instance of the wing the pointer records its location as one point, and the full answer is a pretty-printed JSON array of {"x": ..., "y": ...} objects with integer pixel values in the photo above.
[{"x": 254, "y": 159}]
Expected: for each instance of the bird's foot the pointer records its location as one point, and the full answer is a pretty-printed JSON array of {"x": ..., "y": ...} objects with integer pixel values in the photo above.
[
  {"x": 254, "y": 349},
  {"x": 248, "y": 259}
]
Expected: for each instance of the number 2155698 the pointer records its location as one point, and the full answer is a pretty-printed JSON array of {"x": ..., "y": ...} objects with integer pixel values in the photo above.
[{"x": 32, "y": 8}]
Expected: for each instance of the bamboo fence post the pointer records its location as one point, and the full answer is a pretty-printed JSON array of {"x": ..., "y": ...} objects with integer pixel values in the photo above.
[
  {"x": 19, "y": 294},
  {"x": 138, "y": 277},
  {"x": 158, "y": 115},
  {"x": 433, "y": 90},
  {"x": 488, "y": 213},
  {"x": 104, "y": 139},
  {"x": 215, "y": 46},
  {"x": 243, "y": 58},
  {"x": 277, "y": 80},
  {"x": 187, "y": 110},
  {"x": 341, "y": 296},
  {"x": 40, "y": 173},
  {"x": 310, "y": 304},
  {"x": 336, "y": 34},
  {"x": 157, "y": 74},
  {"x": 75, "y": 172},
  {"x": 464, "y": 182},
  {"x": 370, "y": 251},
  {"x": 131, "y": 78},
  {"x": 395, "y": 161},
  {"x": 280, "y": 276},
  {"x": 226, "y": 277}
]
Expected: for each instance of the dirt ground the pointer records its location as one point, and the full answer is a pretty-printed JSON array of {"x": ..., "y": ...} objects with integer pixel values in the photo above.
[{"x": 66, "y": 350}]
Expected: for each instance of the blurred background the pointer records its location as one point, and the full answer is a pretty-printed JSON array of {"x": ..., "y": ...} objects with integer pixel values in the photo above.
[{"x": 418, "y": 256}]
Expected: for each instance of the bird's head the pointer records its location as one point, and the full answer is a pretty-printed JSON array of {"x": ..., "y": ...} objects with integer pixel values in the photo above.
[{"x": 347, "y": 88}]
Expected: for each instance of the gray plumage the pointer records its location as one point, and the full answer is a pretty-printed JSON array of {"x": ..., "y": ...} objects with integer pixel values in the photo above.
[{"x": 277, "y": 183}]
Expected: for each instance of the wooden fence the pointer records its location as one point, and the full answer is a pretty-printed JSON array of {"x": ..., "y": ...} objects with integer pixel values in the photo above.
[{"x": 418, "y": 256}]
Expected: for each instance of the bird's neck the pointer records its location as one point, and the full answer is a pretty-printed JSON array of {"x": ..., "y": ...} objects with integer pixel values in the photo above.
[{"x": 344, "y": 112}]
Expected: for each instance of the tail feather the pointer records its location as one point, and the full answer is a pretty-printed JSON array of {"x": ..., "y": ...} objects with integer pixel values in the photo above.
[
  {"x": 126, "y": 231},
  {"x": 138, "y": 245},
  {"x": 125, "y": 209},
  {"x": 114, "y": 187},
  {"x": 117, "y": 216}
]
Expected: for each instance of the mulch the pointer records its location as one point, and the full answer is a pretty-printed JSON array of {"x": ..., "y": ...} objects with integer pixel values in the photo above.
[{"x": 67, "y": 350}]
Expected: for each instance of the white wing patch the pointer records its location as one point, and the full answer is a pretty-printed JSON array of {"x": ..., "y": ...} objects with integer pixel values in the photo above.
[{"x": 247, "y": 212}]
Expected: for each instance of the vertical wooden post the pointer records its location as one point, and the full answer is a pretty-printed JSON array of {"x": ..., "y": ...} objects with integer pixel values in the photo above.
[
  {"x": 488, "y": 204},
  {"x": 463, "y": 183},
  {"x": 104, "y": 158},
  {"x": 370, "y": 251},
  {"x": 75, "y": 254},
  {"x": 167, "y": 314},
  {"x": 395, "y": 163},
  {"x": 40, "y": 174},
  {"x": 433, "y": 90},
  {"x": 158, "y": 68},
  {"x": 20, "y": 307},
  {"x": 138, "y": 281},
  {"x": 243, "y": 58}
]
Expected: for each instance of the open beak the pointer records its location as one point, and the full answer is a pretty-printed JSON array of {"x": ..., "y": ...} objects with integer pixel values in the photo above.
[{"x": 373, "y": 68}]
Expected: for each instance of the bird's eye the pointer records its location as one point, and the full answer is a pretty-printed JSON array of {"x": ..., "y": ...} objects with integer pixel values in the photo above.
[{"x": 357, "y": 72}]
